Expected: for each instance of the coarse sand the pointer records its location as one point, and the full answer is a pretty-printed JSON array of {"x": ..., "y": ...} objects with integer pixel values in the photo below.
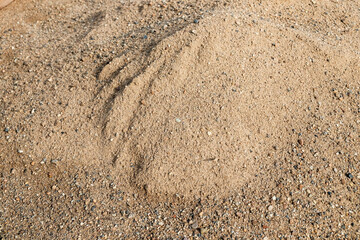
[{"x": 180, "y": 120}]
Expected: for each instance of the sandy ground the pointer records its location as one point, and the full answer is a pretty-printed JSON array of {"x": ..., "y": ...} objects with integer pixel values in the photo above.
[{"x": 180, "y": 120}]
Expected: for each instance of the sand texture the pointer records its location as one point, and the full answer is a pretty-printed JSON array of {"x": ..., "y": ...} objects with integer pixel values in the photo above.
[{"x": 180, "y": 120}]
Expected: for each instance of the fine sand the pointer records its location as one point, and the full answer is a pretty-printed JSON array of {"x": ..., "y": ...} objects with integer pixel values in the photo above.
[{"x": 180, "y": 120}]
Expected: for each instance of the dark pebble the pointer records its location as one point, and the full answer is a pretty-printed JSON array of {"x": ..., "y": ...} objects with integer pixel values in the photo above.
[
  {"x": 196, "y": 21},
  {"x": 349, "y": 175}
]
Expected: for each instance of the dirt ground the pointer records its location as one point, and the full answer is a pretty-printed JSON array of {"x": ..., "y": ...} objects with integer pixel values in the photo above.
[{"x": 180, "y": 119}]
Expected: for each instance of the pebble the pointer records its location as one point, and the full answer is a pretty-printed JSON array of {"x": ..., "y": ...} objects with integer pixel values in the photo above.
[
  {"x": 178, "y": 120},
  {"x": 203, "y": 231},
  {"x": 195, "y": 225},
  {"x": 270, "y": 208},
  {"x": 349, "y": 175},
  {"x": 20, "y": 151}
]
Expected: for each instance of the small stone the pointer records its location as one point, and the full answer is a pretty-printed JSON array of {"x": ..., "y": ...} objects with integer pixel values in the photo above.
[
  {"x": 270, "y": 208},
  {"x": 301, "y": 142},
  {"x": 178, "y": 120},
  {"x": 209, "y": 133},
  {"x": 194, "y": 225},
  {"x": 349, "y": 175},
  {"x": 161, "y": 223},
  {"x": 20, "y": 151},
  {"x": 196, "y": 21},
  {"x": 254, "y": 222},
  {"x": 203, "y": 231},
  {"x": 274, "y": 198}
]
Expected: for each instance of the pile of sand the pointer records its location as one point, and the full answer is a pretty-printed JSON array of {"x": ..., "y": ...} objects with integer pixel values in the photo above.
[
  {"x": 183, "y": 119},
  {"x": 198, "y": 114}
]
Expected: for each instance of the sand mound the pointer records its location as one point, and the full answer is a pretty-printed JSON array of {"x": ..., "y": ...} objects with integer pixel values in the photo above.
[
  {"x": 199, "y": 113},
  {"x": 109, "y": 109}
]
